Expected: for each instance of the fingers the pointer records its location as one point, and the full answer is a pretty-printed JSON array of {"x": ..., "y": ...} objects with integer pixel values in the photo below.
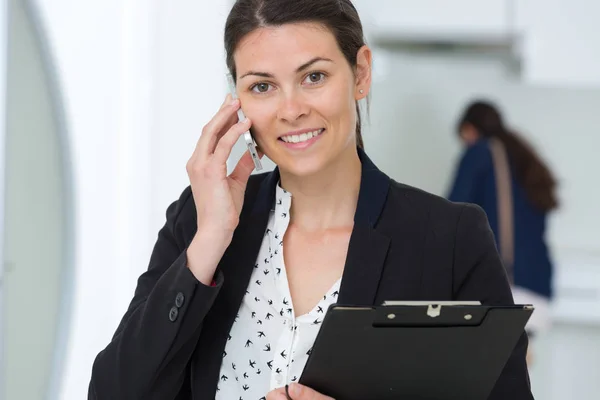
[
  {"x": 217, "y": 126},
  {"x": 277, "y": 394},
  {"x": 226, "y": 103},
  {"x": 242, "y": 171},
  {"x": 225, "y": 144},
  {"x": 201, "y": 142},
  {"x": 296, "y": 392},
  {"x": 301, "y": 392},
  {"x": 228, "y": 123}
]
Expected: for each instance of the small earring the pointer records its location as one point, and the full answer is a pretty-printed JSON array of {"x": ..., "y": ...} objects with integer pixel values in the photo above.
[{"x": 361, "y": 91}]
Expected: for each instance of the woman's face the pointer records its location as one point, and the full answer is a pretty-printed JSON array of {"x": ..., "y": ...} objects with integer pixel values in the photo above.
[
  {"x": 299, "y": 91},
  {"x": 469, "y": 134}
]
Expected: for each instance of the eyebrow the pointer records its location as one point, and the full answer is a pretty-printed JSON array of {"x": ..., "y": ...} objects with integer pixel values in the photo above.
[{"x": 301, "y": 68}]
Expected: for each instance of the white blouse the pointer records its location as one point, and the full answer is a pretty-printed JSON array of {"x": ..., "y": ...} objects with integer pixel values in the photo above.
[{"x": 268, "y": 345}]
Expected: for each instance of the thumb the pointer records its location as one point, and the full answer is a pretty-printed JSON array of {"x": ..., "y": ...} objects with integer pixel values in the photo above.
[
  {"x": 301, "y": 392},
  {"x": 242, "y": 171}
]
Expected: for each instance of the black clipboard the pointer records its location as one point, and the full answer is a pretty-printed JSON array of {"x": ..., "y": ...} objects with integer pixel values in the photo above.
[{"x": 420, "y": 351}]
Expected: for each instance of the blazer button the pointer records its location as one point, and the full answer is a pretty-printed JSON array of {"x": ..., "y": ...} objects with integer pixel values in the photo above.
[
  {"x": 179, "y": 299},
  {"x": 173, "y": 313}
]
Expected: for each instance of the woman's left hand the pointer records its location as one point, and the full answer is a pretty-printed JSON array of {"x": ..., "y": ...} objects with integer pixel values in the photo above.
[{"x": 297, "y": 392}]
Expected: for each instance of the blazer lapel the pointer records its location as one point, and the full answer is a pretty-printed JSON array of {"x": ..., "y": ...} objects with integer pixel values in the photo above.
[
  {"x": 368, "y": 247},
  {"x": 364, "y": 265}
]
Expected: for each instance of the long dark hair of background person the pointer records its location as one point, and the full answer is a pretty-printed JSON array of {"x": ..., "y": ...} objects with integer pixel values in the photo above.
[{"x": 531, "y": 172}]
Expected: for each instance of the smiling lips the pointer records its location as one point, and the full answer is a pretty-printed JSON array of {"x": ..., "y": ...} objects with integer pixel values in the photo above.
[{"x": 301, "y": 137}]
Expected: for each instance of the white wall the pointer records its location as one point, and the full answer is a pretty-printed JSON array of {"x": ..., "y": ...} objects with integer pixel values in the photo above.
[
  {"x": 190, "y": 87},
  {"x": 3, "y": 54},
  {"x": 557, "y": 41},
  {"x": 138, "y": 78},
  {"x": 88, "y": 67},
  {"x": 561, "y": 46},
  {"x": 465, "y": 20}
]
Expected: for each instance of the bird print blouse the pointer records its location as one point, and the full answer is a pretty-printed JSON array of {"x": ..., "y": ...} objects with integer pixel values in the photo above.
[{"x": 268, "y": 345}]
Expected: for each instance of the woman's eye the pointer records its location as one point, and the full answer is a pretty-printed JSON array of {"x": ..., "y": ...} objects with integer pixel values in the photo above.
[
  {"x": 261, "y": 87},
  {"x": 315, "y": 77}
]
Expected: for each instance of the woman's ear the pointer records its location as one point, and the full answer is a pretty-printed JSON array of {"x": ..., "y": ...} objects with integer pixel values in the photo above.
[{"x": 364, "y": 59}]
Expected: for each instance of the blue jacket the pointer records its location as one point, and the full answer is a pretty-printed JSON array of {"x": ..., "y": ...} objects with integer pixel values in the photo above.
[{"x": 474, "y": 182}]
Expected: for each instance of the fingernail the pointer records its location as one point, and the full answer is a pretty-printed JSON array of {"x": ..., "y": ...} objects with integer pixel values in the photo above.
[
  {"x": 234, "y": 102},
  {"x": 294, "y": 390}
]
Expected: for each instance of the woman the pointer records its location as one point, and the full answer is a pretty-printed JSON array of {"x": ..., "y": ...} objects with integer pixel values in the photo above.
[
  {"x": 245, "y": 264},
  {"x": 529, "y": 195}
]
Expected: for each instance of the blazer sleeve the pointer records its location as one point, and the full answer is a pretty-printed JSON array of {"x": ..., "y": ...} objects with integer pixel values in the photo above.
[
  {"x": 149, "y": 352},
  {"x": 480, "y": 275}
]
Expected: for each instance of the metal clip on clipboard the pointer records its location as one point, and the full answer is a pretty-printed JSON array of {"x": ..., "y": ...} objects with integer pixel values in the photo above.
[
  {"x": 429, "y": 313},
  {"x": 434, "y": 308}
]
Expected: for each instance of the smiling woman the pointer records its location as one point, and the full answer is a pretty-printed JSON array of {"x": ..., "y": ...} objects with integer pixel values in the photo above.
[{"x": 246, "y": 266}]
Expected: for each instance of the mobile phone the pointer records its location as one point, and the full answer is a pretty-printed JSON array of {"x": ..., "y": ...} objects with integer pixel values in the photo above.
[{"x": 247, "y": 135}]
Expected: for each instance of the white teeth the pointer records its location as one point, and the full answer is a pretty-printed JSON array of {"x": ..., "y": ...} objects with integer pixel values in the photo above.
[{"x": 302, "y": 137}]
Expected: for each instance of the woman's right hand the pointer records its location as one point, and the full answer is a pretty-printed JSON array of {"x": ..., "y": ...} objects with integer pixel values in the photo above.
[{"x": 217, "y": 196}]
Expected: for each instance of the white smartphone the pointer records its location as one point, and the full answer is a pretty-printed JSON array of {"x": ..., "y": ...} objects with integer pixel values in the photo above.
[{"x": 247, "y": 135}]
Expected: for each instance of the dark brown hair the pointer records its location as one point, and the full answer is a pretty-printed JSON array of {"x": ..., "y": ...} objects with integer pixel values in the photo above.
[
  {"x": 531, "y": 172},
  {"x": 339, "y": 16}
]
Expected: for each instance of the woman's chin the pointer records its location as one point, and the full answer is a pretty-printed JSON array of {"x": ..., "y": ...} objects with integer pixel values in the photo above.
[
  {"x": 299, "y": 167},
  {"x": 307, "y": 164}
]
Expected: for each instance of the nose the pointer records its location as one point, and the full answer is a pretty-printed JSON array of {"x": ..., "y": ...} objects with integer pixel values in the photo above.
[{"x": 292, "y": 107}]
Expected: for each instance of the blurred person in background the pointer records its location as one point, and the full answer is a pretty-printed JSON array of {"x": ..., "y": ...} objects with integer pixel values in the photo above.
[{"x": 503, "y": 174}]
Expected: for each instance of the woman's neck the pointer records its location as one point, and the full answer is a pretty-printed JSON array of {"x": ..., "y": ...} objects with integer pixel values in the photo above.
[{"x": 326, "y": 200}]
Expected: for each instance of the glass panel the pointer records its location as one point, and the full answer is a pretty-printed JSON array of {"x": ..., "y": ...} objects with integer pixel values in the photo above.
[{"x": 37, "y": 198}]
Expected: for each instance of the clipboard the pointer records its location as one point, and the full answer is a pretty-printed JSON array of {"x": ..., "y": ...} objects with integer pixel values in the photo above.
[{"x": 413, "y": 350}]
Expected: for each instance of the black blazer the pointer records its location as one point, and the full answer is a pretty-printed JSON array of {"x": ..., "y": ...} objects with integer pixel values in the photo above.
[{"x": 406, "y": 245}]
